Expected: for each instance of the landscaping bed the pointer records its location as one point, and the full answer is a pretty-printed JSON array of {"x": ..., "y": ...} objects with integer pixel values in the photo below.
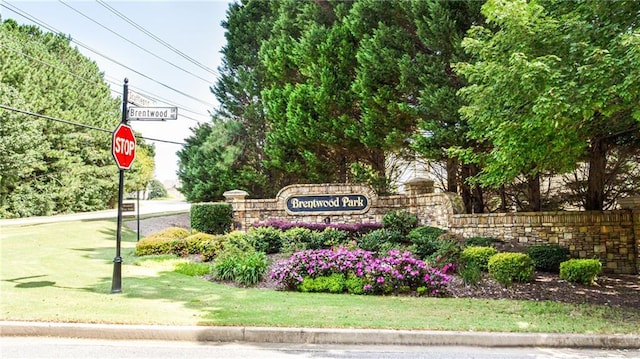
[{"x": 609, "y": 290}]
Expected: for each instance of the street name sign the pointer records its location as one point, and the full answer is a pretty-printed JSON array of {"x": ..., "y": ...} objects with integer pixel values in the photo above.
[
  {"x": 123, "y": 146},
  {"x": 152, "y": 113},
  {"x": 139, "y": 100}
]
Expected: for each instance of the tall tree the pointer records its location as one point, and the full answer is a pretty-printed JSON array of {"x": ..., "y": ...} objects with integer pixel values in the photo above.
[
  {"x": 550, "y": 89},
  {"x": 72, "y": 167}
]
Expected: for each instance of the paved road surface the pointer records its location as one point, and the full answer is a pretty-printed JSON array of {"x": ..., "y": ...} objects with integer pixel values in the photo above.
[
  {"x": 146, "y": 207},
  {"x": 39, "y": 347}
]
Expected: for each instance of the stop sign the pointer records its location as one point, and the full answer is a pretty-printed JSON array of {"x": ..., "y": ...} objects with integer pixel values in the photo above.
[{"x": 123, "y": 146}]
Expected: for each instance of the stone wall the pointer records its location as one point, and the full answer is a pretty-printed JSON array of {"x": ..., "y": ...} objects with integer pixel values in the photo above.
[
  {"x": 433, "y": 209},
  {"x": 611, "y": 236},
  {"x": 608, "y": 236}
]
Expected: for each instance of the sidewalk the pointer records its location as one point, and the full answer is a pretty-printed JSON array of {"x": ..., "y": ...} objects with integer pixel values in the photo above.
[
  {"x": 146, "y": 207},
  {"x": 317, "y": 335}
]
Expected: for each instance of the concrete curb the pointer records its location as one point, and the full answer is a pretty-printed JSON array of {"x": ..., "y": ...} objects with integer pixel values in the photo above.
[{"x": 316, "y": 335}]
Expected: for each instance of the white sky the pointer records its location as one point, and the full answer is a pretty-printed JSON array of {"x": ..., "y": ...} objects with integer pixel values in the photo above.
[{"x": 192, "y": 27}]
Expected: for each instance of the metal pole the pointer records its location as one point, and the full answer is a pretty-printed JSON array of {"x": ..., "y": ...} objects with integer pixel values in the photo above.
[
  {"x": 138, "y": 227},
  {"x": 116, "y": 282}
]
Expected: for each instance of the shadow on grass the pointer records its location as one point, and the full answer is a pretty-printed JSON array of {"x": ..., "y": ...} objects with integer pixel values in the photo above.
[
  {"x": 21, "y": 283},
  {"x": 191, "y": 292}
]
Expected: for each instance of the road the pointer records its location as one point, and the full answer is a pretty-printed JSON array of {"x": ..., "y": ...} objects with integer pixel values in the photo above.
[
  {"x": 146, "y": 207},
  {"x": 42, "y": 347}
]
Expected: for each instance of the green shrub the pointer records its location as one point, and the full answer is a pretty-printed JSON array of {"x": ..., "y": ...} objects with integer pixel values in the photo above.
[
  {"x": 209, "y": 245},
  {"x": 380, "y": 240},
  {"x": 193, "y": 269},
  {"x": 354, "y": 284},
  {"x": 251, "y": 268},
  {"x": 170, "y": 233},
  {"x": 507, "y": 268},
  {"x": 213, "y": 218},
  {"x": 481, "y": 241},
  {"x": 244, "y": 267},
  {"x": 470, "y": 273},
  {"x": 298, "y": 239},
  {"x": 547, "y": 258},
  {"x": 400, "y": 221},
  {"x": 584, "y": 271},
  {"x": 424, "y": 240},
  {"x": 334, "y": 283},
  {"x": 266, "y": 239},
  {"x": 153, "y": 246},
  {"x": 448, "y": 251},
  {"x": 195, "y": 242},
  {"x": 167, "y": 241},
  {"x": 478, "y": 255},
  {"x": 239, "y": 240},
  {"x": 333, "y": 237}
]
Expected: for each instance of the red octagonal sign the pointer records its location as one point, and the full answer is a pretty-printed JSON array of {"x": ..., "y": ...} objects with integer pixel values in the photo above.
[{"x": 123, "y": 146}]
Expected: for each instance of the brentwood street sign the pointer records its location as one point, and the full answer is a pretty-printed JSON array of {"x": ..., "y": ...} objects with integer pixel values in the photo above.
[{"x": 152, "y": 113}]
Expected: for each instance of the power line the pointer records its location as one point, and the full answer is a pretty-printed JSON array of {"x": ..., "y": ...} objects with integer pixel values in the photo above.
[
  {"x": 151, "y": 35},
  {"x": 95, "y": 83},
  {"x": 80, "y": 124},
  {"x": 41, "y": 23},
  {"x": 133, "y": 43}
]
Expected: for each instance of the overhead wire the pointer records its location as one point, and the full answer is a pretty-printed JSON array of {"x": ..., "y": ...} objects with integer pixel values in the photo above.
[
  {"x": 43, "y": 24},
  {"x": 133, "y": 43},
  {"x": 88, "y": 81},
  {"x": 151, "y": 35},
  {"x": 26, "y": 112}
]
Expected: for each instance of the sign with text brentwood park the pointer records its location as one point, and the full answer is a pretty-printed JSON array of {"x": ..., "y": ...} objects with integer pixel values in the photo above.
[{"x": 327, "y": 203}]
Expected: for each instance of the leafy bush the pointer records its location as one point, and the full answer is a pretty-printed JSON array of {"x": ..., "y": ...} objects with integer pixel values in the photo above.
[
  {"x": 208, "y": 245},
  {"x": 547, "y": 258},
  {"x": 507, "y": 268},
  {"x": 380, "y": 240},
  {"x": 244, "y": 267},
  {"x": 298, "y": 239},
  {"x": 470, "y": 273},
  {"x": 153, "y": 246},
  {"x": 400, "y": 221},
  {"x": 424, "y": 240},
  {"x": 168, "y": 241},
  {"x": 481, "y": 241},
  {"x": 213, "y": 218},
  {"x": 478, "y": 255},
  {"x": 447, "y": 252},
  {"x": 584, "y": 271},
  {"x": 266, "y": 239},
  {"x": 332, "y": 237},
  {"x": 334, "y": 283},
  {"x": 354, "y": 284},
  {"x": 193, "y": 269}
]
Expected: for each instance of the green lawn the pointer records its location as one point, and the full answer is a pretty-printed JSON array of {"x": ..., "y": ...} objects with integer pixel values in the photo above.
[{"x": 63, "y": 271}]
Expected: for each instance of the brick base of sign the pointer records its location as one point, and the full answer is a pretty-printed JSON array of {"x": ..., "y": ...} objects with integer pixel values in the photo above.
[{"x": 611, "y": 236}]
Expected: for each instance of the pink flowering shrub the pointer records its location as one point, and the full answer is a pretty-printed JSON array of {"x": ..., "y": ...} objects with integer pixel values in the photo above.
[{"x": 397, "y": 272}]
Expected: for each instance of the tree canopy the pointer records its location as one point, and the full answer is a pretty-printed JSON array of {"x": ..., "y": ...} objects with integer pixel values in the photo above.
[
  {"x": 497, "y": 95},
  {"x": 49, "y": 166}
]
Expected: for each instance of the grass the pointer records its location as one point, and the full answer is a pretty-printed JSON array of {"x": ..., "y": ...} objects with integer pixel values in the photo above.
[{"x": 62, "y": 272}]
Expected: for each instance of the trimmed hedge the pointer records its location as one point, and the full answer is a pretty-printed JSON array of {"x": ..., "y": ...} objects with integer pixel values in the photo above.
[
  {"x": 584, "y": 271},
  {"x": 212, "y": 218},
  {"x": 478, "y": 255},
  {"x": 548, "y": 257},
  {"x": 507, "y": 268}
]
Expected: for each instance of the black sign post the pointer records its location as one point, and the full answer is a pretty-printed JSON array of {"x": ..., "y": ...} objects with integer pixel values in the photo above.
[{"x": 116, "y": 282}]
